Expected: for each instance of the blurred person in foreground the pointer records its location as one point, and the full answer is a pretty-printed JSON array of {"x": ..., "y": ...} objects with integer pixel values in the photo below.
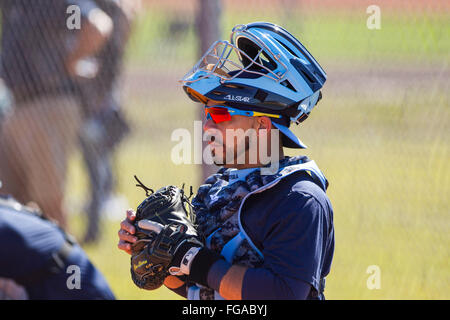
[
  {"x": 263, "y": 227},
  {"x": 41, "y": 261},
  {"x": 41, "y": 57},
  {"x": 104, "y": 125}
]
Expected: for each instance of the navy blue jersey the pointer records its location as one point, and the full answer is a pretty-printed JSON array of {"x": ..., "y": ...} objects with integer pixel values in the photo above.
[
  {"x": 28, "y": 243},
  {"x": 292, "y": 226},
  {"x": 289, "y": 223}
]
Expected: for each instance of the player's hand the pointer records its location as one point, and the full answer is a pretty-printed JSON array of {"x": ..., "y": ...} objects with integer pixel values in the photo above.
[{"x": 126, "y": 232}]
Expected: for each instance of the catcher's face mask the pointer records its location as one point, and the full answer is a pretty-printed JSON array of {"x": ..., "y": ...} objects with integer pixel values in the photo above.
[{"x": 226, "y": 61}]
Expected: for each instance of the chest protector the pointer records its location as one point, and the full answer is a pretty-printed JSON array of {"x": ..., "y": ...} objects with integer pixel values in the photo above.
[{"x": 218, "y": 204}]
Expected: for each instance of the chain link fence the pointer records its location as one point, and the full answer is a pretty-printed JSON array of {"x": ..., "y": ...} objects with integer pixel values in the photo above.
[{"x": 380, "y": 134}]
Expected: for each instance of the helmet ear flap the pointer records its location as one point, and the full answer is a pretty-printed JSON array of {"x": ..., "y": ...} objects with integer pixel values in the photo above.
[
  {"x": 320, "y": 97},
  {"x": 293, "y": 110},
  {"x": 305, "y": 106}
]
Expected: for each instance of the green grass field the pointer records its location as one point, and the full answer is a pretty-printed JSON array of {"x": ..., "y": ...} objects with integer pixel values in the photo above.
[{"x": 380, "y": 135}]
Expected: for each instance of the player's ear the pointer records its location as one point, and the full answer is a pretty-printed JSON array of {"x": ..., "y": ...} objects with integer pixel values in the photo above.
[{"x": 263, "y": 123}]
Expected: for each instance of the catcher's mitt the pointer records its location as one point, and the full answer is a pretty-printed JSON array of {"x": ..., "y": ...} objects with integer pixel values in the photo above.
[{"x": 162, "y": 225}]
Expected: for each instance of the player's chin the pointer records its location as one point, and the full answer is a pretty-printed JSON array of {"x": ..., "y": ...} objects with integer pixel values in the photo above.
[{"x": 226, "y": 157}]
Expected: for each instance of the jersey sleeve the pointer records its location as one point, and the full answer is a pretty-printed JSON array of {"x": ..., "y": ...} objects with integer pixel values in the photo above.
[
  {"x": 295, "y": 247},
  {"x": 27, "y": 243}
]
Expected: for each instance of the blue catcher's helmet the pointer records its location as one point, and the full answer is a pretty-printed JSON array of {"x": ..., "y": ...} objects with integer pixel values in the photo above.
[{"x": 263, "y": 68}]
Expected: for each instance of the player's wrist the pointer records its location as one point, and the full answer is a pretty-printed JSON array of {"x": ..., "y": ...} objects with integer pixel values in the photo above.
[
  {"x": 184, "y": 255},
  {"x": 202, "y": 264},
  {"x": 193, "y": 260}
]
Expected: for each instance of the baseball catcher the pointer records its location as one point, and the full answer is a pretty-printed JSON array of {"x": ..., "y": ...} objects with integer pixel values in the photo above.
[{"x": 260, "y": 227}]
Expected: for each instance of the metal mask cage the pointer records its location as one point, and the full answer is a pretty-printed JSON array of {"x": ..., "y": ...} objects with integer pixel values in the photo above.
[{"x": 223, "y": 58}]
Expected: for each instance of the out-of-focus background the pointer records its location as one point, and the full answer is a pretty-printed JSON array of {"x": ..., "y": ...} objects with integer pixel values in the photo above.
[{"x": 381, "y": 134}]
